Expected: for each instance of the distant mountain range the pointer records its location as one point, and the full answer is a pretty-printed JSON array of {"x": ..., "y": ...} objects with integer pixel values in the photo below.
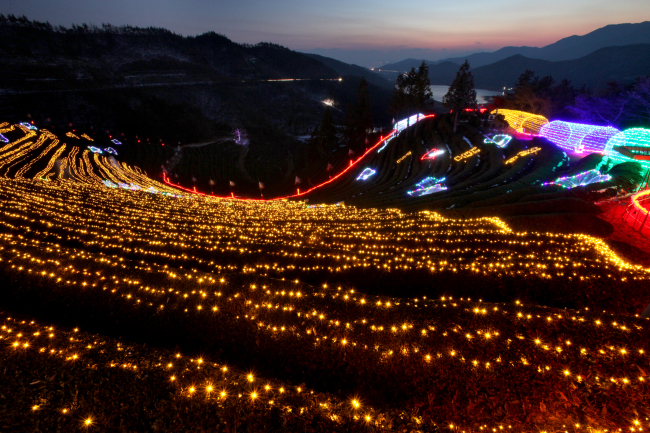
[
  {"x": 345, "y": 69},
  {"x": 569, "y": 48},
  {"x": 622, "y": 64},
  {"x": 613, "y": 52}
]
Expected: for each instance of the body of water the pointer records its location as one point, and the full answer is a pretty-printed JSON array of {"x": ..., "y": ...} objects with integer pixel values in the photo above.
[{"x": 440, "y": 91}]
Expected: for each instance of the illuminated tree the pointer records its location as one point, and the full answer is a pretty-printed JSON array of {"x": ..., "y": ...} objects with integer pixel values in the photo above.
[{"x": 461, "y": 94}]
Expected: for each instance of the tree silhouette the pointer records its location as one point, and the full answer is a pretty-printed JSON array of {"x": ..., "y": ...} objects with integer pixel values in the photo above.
[
  {"x": 412, "y": 92},
  {"x": 326, "y": 140},
  {"x": 461, "y": 94},
  {"x": 358, "y": 120}
]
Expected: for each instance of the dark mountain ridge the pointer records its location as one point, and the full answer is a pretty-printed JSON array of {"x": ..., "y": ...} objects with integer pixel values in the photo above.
[
  {"x": 619, "y": 63},
  {"x": 150, "y": 86},
  {"x": 568, "y": 48},
  {"x": 345, "y": 69},
  {"x": 622, "y": 63}
]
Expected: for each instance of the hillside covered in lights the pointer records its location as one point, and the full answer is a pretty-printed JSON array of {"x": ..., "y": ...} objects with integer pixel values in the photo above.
[{"x": 129, "y": 302}]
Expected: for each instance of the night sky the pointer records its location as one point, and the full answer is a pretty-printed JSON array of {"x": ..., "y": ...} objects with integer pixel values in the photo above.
[{"x": 366, "y": 32}]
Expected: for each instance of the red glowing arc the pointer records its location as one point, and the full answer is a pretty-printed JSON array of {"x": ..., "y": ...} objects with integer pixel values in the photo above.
[{"x": 299, "y": 194}]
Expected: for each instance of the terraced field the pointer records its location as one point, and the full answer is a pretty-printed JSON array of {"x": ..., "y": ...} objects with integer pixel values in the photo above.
[
  {"x": 201, "y": 313},
  {"x": 469, "y": 176}
]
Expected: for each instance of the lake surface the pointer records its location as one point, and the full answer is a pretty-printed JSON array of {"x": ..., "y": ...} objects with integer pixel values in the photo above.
[{"x": 440, "y": 91}]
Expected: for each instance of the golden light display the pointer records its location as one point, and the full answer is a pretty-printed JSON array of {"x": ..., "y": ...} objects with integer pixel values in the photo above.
[
  {"x": 40, "y": 155},
  {"x": 465, "y": 155},
  {"x": 404, "y": 157},
  {"x": 271, "y": 276},
  {"x": 522, "y": 121},
  {"x": 523, "y": 153}
]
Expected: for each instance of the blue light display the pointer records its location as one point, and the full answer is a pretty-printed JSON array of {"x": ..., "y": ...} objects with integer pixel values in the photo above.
[
  {"x": 581, "y": 179},
  {"x": 427, "y": 186},
  {"x": 501, "y": 140},
  {"x": 29, "y": 126},
  {"x": 366, "y": 173}
]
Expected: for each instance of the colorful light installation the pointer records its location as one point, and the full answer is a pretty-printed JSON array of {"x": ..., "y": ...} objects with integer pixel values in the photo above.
[
  {"x": 4, "y": 139},
  {"x": 116, "y": 141},
  {"x": 630, "y": 145},
  {"x": 387, "y": 140},
  {"x": 111, "y": 150},
  {"x": 426, "y": 191},
  {"x": 581, "y": 179},
  {"x": 522, "y": 121},
  {"x": 352, "y": 165},
  {"x": 427, "y": 186},
  {"x": 28, "y": 126},
  {"x": 501, "y": 140},
  {"x": 366, "y": 173},
  {"x": 94, "y": 149},
  {"x": 405, "y": 123},
  {"x": 578, "y": 137},
  {"x": 432, "y": 154}
]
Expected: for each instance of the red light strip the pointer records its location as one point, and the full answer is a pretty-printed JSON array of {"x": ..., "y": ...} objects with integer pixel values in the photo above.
[
  {"x": 426, "y": 155},
  {"x": 348, "y": 168}
]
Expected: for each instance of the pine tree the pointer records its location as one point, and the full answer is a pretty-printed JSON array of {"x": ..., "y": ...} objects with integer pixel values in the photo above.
[
  {"x": 412, "y": 92},
  {"x": 363, "y": 107},
  {"x": 327, "y": 140},
  {"x": 422, "y": 96},
  {"x": 398, "y": 100},
  {"x": 461, "y": 94},
  {"x": 358, "y": 119},
  {"x": 350, "y": 125}
]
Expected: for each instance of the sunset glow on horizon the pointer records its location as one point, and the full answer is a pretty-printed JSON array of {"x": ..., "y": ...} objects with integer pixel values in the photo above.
[{"x": 436, "y": 29}]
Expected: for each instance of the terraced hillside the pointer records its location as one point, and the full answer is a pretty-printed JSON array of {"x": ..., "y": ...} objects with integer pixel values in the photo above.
[
  {"x": 124, "y": 309},
  {"x": 474, "y": 177}
]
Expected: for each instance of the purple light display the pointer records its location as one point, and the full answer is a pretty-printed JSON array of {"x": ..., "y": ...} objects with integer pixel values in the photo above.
[
  {"x": 578, "y": 137},
  {"x": 580, "y": 179}
]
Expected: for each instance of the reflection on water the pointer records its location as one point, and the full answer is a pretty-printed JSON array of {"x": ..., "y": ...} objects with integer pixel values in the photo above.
[{"x": 440, "y": 91}]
